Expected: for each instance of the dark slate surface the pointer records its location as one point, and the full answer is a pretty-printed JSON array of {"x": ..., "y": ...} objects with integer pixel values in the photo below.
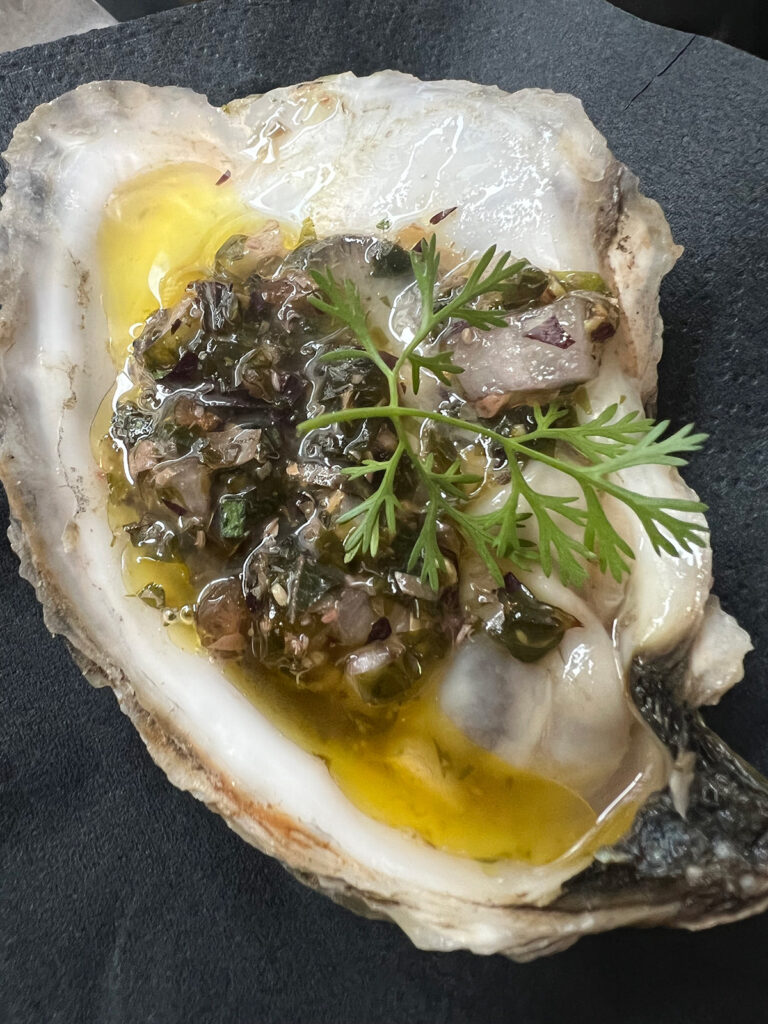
[{"x": 125, "y": 901}]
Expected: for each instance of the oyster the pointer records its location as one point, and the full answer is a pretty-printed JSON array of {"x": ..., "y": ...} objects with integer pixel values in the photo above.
[{"x": 674, "y": 825}]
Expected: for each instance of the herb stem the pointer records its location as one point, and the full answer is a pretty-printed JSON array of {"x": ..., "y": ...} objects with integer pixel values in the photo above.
[
  {"x": 604, "y": 446},
  {"x": 582, "y": 474}
]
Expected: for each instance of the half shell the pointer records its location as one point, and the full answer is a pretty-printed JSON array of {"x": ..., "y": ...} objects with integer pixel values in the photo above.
[{"x": 526, "y": 171}]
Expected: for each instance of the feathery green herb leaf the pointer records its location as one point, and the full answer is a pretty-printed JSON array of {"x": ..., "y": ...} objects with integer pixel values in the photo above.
[
  {"x": 441, "y": 365},
  {"x": 604, "y": 447}
]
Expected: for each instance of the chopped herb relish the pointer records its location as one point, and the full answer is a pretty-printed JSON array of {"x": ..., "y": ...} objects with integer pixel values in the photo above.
[{"x": 222, "y": 482}]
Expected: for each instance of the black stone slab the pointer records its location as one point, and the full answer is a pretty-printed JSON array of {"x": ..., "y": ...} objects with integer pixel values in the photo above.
[{"x": 123, "y": 900}]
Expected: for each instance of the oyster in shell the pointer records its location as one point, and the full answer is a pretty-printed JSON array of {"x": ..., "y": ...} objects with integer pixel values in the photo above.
[{"x": 118, "y": 195}]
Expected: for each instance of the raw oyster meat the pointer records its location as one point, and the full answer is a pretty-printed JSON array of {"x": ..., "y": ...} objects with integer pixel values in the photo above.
[{"x": 675, "y": 827}]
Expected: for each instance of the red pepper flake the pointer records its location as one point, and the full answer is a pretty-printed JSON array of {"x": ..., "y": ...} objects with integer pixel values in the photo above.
[
  {"x": 418, "y": 246},
  {"x": 224, "y": 178},
  {"x": 175, "y": 326},
  {"x": 442, "y": 215},
  {"x": 551, "y": 332}
]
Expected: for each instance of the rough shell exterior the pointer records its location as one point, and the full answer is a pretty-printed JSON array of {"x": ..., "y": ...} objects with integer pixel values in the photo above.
[{"x": 631, "y": 243}]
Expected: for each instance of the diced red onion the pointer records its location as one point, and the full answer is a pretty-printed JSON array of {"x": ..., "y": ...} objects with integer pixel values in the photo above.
[{"x": 551, "y": 332}]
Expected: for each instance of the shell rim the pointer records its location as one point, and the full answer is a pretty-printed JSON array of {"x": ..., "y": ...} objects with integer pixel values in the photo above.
[{"x": 531, "y": 930}]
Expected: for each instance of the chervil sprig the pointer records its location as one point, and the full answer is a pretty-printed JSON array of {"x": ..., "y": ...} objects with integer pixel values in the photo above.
[
  {"x": 364, "y": 537},
  {"x": 592, "y": 454}
]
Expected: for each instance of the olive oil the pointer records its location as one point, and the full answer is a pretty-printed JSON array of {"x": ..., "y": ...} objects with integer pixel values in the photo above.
[
  {"x": 415, "y": 770},
  {"x": 160, "y": 232}
]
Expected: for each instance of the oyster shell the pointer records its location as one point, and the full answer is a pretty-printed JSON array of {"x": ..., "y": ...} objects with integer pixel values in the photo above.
[{"x": 527, "y": 171}]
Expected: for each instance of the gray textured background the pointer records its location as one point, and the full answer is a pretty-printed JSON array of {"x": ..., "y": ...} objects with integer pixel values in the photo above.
[{"x": 125, "y": 901}]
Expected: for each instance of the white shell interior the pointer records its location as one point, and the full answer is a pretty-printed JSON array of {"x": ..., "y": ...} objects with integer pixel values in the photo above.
[{"x": 527, "y": 172}]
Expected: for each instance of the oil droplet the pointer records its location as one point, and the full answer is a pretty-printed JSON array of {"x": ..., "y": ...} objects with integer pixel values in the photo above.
[{"x": 140, "y": 570}]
